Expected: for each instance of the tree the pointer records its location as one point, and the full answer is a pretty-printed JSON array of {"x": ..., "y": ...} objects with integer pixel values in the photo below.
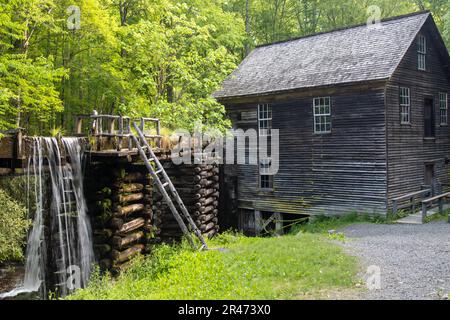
[
  {"x": 178, "y": 57},
  {"x": 159, "y": 58},
  {"x": 27, "y": 85}
]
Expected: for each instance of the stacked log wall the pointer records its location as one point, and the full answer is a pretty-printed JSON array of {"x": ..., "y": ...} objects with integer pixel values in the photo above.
[
  {"x": 198, "y": 187},
  {"x": 129, "y": 215},
  {"x": 120, "y": 203}
]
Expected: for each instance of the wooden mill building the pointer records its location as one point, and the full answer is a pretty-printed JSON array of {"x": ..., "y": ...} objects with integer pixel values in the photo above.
[{"x": 362, "y": 114}]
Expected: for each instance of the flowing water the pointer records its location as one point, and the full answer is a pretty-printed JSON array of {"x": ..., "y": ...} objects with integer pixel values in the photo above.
[{"x": 59, "y": 247}]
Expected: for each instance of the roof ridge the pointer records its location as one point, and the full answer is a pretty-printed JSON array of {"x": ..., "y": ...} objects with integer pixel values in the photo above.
[{"x": 345, "y": 28}]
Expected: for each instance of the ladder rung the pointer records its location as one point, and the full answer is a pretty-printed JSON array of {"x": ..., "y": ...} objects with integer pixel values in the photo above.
[
  {"x": 159, "y": 171},
  {"x": 165, "y": 184},
  {"x": 151, "y": 159}
]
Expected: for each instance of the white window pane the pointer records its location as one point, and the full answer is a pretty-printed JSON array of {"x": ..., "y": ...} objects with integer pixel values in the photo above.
[
  {"x": 322, "y": 114},
  {"x": 264, "y": 119},
  {"x": 422, "y": 62}
]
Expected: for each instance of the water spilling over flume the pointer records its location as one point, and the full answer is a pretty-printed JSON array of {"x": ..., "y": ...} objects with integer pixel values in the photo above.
[{"x": 59, "y": 247}]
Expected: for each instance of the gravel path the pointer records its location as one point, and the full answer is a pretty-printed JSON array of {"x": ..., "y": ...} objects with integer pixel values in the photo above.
[{"x": 414, "y": 259}]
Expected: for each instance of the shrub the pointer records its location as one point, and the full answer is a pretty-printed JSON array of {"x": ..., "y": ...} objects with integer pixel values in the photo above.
[{"x": 13, "y": 228}]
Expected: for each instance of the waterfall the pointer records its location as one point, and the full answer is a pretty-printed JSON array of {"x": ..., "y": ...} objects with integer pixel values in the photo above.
[
  {"x": 63, "y": 255},
  {"x": 84, "y": 243}
]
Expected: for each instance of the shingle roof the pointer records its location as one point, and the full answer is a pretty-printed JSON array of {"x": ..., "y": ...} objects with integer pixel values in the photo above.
[{"x": 342, "y": 56}]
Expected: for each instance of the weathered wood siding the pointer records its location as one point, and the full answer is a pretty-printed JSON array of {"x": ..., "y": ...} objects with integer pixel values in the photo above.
[
  {"x": 408, "y": 150},
  {"x": 337, "y": 173}
]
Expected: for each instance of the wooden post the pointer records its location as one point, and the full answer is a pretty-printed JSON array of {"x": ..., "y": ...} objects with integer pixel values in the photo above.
[
  {"x": 258, "y": 223},
  {"x": 241, "y": 221},
  {"x": 142, "y": 126},
  {"x": 441, "y": 206},
  {"x": 394, "y": 208},
  {"x": 100, "y": 125},
  {"x": 413, "y": 205},
  {"x": 278, "y": 223},
  {"x": 96, "y": 125},
  {"x": 119, "y": 144},
  {"x": 130, "y": 142},
  {"x": 424, "y": 211},
  {"x": 112, "y": 122},
  {"x": 78, "y": 125},
  {"x": 158, "y": 132}
]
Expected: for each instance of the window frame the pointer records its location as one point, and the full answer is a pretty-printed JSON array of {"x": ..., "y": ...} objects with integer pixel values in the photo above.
[
  {"x": 443, "y": 106},
  {"x": 422, "y": 53},
  {"x": 323, "y": 116},
  {"x": 264, "y": 173},
  {"x": 266, "y": 185},
  {"x": 405, "y": 105},
  {"x": 265, "y": 110},
  {"x": 265, "y": 118}
]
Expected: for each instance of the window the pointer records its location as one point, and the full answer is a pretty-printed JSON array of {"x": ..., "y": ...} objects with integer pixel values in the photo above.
[
  {"x": 266, "y": 176},
  {"x": 428, "y": 118},
  {"x": 422, "y": 53},
  {"x": 265, "y": 130},
  {"x": 405, "y": 106},
  {"x": 322, "y": 115},
  {"x": 264, "y": 119},
  {"x": 267, "y": 182},
  {"x": 443, "y": 107}
]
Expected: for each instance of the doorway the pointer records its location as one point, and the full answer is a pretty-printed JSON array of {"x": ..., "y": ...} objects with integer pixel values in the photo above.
[{"x": 429, "y": 174}]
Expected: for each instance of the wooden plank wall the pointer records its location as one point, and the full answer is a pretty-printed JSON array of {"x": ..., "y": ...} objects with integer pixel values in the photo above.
[
  {"x": 338, "y": 173},
  {"x": 408, "y": 151}
]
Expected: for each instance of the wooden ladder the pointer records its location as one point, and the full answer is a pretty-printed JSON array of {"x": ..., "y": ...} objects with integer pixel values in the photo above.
[{"x": 166, "y": 187}]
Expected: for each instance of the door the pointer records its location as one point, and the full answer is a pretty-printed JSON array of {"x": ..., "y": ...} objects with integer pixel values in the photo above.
[
  {"x": 429, "y": 174},
  {"x": 429, "y": 128}
]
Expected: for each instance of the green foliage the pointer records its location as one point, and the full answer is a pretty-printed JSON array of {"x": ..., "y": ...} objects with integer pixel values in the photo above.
[
  {"x": 159, "y": 58},
  {"x": 194, "y": 44},
  {"x": 27, "y": 82},
  {"x": 438, "y": 217},
  {"x": 271, "y": 20},
  {"x": 27, "y": 87},
  {"x": 13, "y": 228},
  {"x": 55, "y": 132},
  {"x": 287, "y": 267},
  {"x": 16, "y": 188},
  {"x": 323, "y": 224},
  {"x": 156, "y": 58}
]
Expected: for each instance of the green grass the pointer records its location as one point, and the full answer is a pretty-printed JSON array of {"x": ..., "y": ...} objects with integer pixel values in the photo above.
[
  {"x": 289, "y": 267},
  {"x": 322, "y": 224},
  {"x": 438, "y": 217}
]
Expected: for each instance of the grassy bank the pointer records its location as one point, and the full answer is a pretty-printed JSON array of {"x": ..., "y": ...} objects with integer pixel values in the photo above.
[
  {"x": 289, "y": 267},
  {"x": 323, "y": 224}
]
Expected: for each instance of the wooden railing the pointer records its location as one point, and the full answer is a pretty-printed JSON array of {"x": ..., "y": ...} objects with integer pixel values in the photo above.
[
  {"x": 437, "y": 201},
  {"x": 409, "y": 201},
  {"x": 117, "y": 127}
]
